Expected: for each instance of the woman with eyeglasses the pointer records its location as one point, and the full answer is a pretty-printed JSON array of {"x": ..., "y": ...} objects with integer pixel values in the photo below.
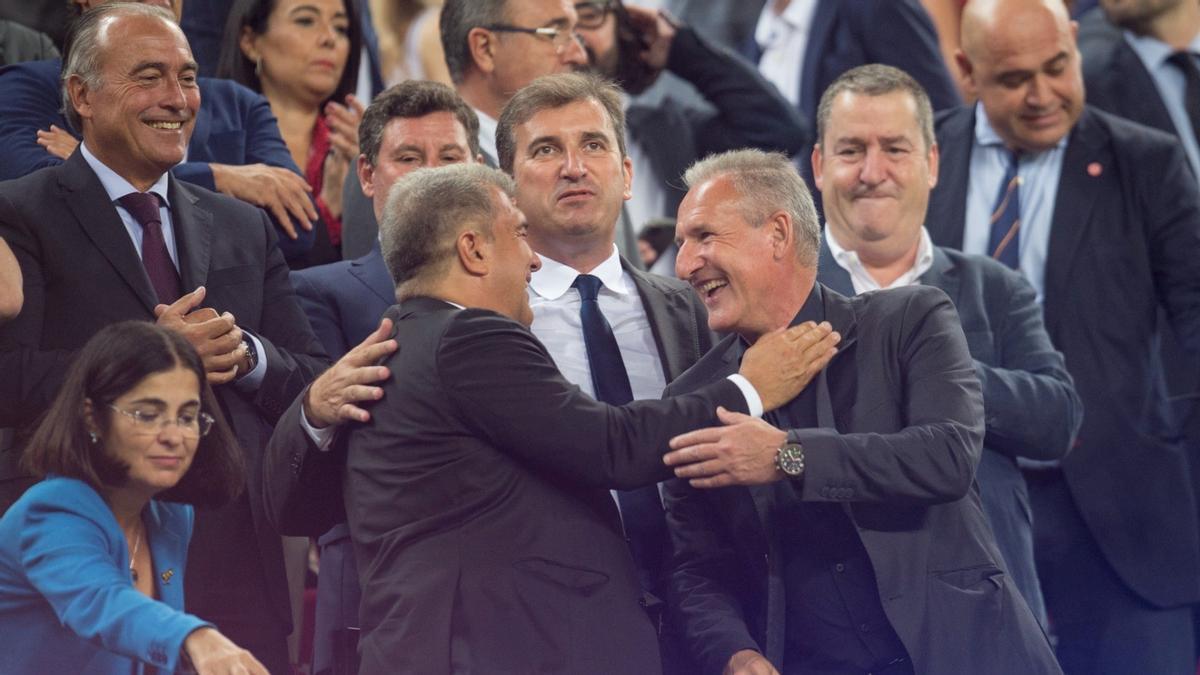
[
  {"x": 92, "y": 557},
  {"x": 302, "y": 55}
]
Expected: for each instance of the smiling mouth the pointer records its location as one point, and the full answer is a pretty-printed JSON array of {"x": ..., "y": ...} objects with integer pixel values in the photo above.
[
  {"x": 709, "y": 288},
  {"x": 165, "y": 126}
]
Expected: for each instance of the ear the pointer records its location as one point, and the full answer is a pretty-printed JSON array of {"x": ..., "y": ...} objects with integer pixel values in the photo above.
[
  {"x": 248, "y": 43},
  {"x": 474, "y": 253},
  {"x": 89, "y": 417},
  {"x": 781, "y": 233},
  {"x": 81, "y": 96},
  {"x": 627, "y": 164},
  {"x": 817, "y": 158},
  {"x": 482, "y": 44},
  {"x": 366, "y": 173},
  {"x": 934, "y": 160},
  {"x": 967, "y": 73}
]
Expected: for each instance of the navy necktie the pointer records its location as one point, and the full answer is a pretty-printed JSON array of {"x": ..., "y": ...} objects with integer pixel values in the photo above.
[
  {"x": 143, "y": 206},
  {"x": 641, "y": 509},
  {"x": 1004, "y": 241},
  {"x": 1185, "y": 62}
]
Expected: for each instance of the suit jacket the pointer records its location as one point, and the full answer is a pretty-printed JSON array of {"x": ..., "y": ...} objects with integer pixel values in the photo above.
[
  {"x": 18, "y": 43},
  {"x": 743, "y": 111},
  {"x": 344, "y": 302},
  {"x": 1124, "y": 242},
  {"x": 491, "y": 543},
  {"x": 233, "y": 126},
  {"x": 845, "y": 34},
  {"x": 900, "y": 418},
  {"x": 81, "y": 273},
  {"x": 66, "y": 601},
  {"x": 1031, "y": 406}
]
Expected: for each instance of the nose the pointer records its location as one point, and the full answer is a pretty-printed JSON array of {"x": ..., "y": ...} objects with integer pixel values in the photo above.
[
  {"x": 573, "y": 166},
  {"x": 1035, "y": 93},
  {"x": 873, "y": 170},
  {"x": 573, "y": 52},
  {"x": 535, "y": 261},
  {"x": 174, "y": 97},
  {"x": 170, "y": 432},
  {"x": 329, "y": 35},
  {"x": 686, "y": 261}
]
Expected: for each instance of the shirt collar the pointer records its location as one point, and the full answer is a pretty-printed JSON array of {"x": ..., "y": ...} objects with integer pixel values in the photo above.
[
  {"x": 849, "y": 260},
  {"x": 1154, "y": 52},
  {"x": 487, "y": 133},
  {"x": 114, "y": 184},
  {"x": 554, "y": 278},
  {"x": 986, "y": 136},
  {"x": 796, "y": 15}
]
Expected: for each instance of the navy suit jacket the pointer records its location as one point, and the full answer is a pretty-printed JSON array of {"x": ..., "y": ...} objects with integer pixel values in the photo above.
[
  {"x": 1031, "y": 406},
  {"x": 1124, "y": 243},
  {"x": 66, "y": 601},
  {"x": 233, "y": 126},
  {"x": 845, "y": 34},
  {"x": 900, "y": 427}
]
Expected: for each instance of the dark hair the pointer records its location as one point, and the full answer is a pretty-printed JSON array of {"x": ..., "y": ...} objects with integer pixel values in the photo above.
[
  {"x": 253, "y": 14},
  {"x": 113, "y": 362},
  {"x": 410, "y": 99},
  {"x": 457, "y": 19},
  {"x": 633, "y": 74},
  {"x": 556, "y": 91},
  {"x": 659, "y": 233}
]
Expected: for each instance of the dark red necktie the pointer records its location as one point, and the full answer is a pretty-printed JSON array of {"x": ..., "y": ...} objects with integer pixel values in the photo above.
[{"x": 155, "y": 257}]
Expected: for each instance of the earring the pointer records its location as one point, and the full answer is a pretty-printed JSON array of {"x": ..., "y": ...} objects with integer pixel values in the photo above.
[
  {"x": 258, "y": 67},
  {"x": 95, "y": 438}
]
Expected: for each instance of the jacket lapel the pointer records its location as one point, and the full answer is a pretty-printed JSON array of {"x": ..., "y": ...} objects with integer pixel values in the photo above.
[
  {"x": 814, "y": 51},
  {"x": 943, "y": 274},
  {"x": 842, "y": 318},
  {"x": 672, "y": 325},
  {"x": 948, "y": 202},
  {"x": 103, "y": 226},
  {"x": 193, "y": 236},
  {"x": 830, "y": 274},
  {"x": 164, "y": 547},
  {"x": 372, "y": 272}
]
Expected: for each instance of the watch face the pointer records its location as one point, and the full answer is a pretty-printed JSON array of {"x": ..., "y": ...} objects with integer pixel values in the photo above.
[{"x": 791, "y": 459}]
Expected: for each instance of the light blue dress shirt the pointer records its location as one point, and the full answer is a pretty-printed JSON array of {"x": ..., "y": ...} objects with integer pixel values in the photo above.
[
  {"x": 116, "y": 187},
  {"x": 1169, "y": 81},
  {"x": 1039, "y": 188}
]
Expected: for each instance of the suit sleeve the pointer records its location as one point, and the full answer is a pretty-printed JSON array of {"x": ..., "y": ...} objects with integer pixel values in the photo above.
[
  {"x": 30, "y": 103},
  {"x": 508, "y": 391},
  {"x": 1170, "y": 201},
  {"x": 1031, "y": 406},
  {"x": 932, "y": 459},
  {"x": 302, "y": 484},
  {"x": 749, "y": 112},
  {"x": 68, "y": 559},
  {"x": 899, "y": 33}
]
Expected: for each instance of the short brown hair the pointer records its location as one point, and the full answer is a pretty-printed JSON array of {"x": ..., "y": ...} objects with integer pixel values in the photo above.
[
  {"x": 555, "y": 91},
  {"x": 876, "y": 79},
  {"x": 113, "y": 362},
  {"x": 411, "y": 99}
]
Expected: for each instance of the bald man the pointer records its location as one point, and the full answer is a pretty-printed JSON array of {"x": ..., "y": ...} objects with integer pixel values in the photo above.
[{"x": 1102, "y": 216}]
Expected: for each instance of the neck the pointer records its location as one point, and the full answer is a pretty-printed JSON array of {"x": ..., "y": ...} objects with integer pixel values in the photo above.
[
  {"x": 1177, "y": 26},
  {"x": 783, "y": 304},
  {"x": 886, "y": 260},
  {"x": 582, "y": 255},
  {"x": 140, "y": 182},
  {"x": 127, "y": 507},
  {"x": 476, "y": 92}
]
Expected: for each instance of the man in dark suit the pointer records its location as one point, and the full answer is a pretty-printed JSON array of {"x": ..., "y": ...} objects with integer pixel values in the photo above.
[
  {"x": 235, "y": 149},
  {"x": 476, "y": 494},
  {"x": 412, "y": 125},
  {"x": 875, "y": 163},
  {"x": 110, "y": 235},
  {"x": 1103, "y": 217},
  {"x": 840, "y": 534}
]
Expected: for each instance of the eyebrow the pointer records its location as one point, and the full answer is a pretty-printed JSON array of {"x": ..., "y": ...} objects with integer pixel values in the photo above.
[
  {"x": 596, "y": 136},
  {"x": 150, "y": 400},
  {"x": 313, "y": 8},
  {"x": 161, "y": 65},
  {"x": 547, "y": 138}
]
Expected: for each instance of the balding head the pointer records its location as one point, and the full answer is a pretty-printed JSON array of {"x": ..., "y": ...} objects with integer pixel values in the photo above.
[{"x": 1019, "y": 57}]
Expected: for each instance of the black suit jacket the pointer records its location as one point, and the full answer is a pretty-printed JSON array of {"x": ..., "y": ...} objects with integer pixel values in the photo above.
[
  {"x": 81, "y": 273},
  {"x": 1123, "y": 244},
  {"x": 478, "y": 503},
  {"x": 1031, "y": 406},
  {"x": 900, "y": 418}
]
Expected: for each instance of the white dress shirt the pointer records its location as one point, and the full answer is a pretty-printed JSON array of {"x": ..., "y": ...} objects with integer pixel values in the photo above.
[
  {"x": 862, "y": 279},
  {"x": 783, "y": 39},
  {"x": 1171, "y": 86},
  {"x": 487, "y": 134}
]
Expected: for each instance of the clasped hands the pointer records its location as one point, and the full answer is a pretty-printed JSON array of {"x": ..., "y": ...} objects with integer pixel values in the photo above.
[
  {"x": 216, "y": 337},
  {"x": 742, "y": 451}
]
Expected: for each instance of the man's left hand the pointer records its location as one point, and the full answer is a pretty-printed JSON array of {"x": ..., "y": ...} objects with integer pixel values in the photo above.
[
  {"x": 740, "y": 453},
  {"x": 658, "y": 32},
  {"x": 334, "y": 397}
]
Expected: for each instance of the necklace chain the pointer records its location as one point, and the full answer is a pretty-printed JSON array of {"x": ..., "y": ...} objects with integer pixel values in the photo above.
[{"x": 137, "y": 542}]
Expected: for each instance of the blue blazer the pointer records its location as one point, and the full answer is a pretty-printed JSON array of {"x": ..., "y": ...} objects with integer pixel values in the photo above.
[
  {"x": 845, "y": 34},
  {"x": 1031, "y": 404},
  {"x": 1123, "y": 247},
  {"x": 344, "y": 300},
  {"x": 233, "y": 126},
  {"x": 67, "y": 603}
]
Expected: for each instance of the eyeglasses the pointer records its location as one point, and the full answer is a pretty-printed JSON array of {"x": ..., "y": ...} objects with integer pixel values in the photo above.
[
  {"x": 559, "y": 36},
  {"x": 592, "y": 14},
  {"x": 193, "y": 425}
]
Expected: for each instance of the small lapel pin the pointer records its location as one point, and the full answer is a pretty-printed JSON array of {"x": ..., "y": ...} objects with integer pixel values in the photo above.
[
  {"x": 1095, "y": 169},
  {"x": 166, "y": 576}
]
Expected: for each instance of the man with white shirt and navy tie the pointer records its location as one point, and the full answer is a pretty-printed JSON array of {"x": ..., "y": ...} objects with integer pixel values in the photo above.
[{"x": 618, "y": 333}]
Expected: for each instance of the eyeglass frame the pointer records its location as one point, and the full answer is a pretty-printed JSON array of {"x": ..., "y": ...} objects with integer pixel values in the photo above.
[
  {"x": 604, "y": 7},
  {"x": 203, "y": 424},
  {"x": 543, "y": 31}
]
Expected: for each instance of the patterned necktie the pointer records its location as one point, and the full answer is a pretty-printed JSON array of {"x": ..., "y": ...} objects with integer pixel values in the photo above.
[
  {"x": 1004, "y": 241},
  {"x": 155, "y": 258},
  {"x": 641, "y": 509},
  {"x": 1186, "y": 63}
]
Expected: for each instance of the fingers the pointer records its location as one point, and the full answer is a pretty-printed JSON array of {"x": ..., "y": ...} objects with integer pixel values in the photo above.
[
  {"x": 186, "y": 303},
  {"x": 221, "y": 377},
  {"x": 729, "y": 417},
  {"x": 697, "y": 437}
]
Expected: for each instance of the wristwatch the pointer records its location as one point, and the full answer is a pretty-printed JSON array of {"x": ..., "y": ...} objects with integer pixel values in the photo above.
[
  {"x": 789, "y": 459},
  {"x": 251, "y": 355}
]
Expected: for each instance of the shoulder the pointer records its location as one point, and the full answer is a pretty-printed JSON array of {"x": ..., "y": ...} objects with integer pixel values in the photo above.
[
  {"x": 901, "y": 306},
  {"x": 1126, "y": 136},
  {"x": 328, "y": 278},
  {"x": 225, "y": 92},
  {"x": 45, "y": 72},
  {"x": 60, "y": 494},
  {"x": 954, "y": 122},
  {"x": 234, "y": 212}
]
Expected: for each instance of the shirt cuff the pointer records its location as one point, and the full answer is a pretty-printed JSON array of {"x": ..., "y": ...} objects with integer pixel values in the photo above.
[
  {"x": 252, "y": 380},
  {"x": 322, "y": 438},
  {"x": 753, "y": 401}
]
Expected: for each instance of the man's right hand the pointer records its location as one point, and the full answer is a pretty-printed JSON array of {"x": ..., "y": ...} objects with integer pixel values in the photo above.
[
  {"x": 782, "y": 363},
  {"x": 335, "y": 396},
  {"x": 749, "y": 662},
  {"x": 216, "y": 337},
  {"x": 280, "y": 191}
]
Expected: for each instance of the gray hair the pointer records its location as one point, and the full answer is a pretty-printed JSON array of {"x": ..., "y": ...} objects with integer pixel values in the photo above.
[
  {"x": 82, "y": 48},
  {"x": 876, "y": 79},
  {"x": 555, "y": 91},
  {"x": 457, "y": 19},
  {"x": 426, "y": 210},
  {"x": 766, "y": 182}
]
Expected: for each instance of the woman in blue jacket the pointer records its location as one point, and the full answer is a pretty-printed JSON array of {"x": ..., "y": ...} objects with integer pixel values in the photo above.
[{"x": 92, "y": 558}]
